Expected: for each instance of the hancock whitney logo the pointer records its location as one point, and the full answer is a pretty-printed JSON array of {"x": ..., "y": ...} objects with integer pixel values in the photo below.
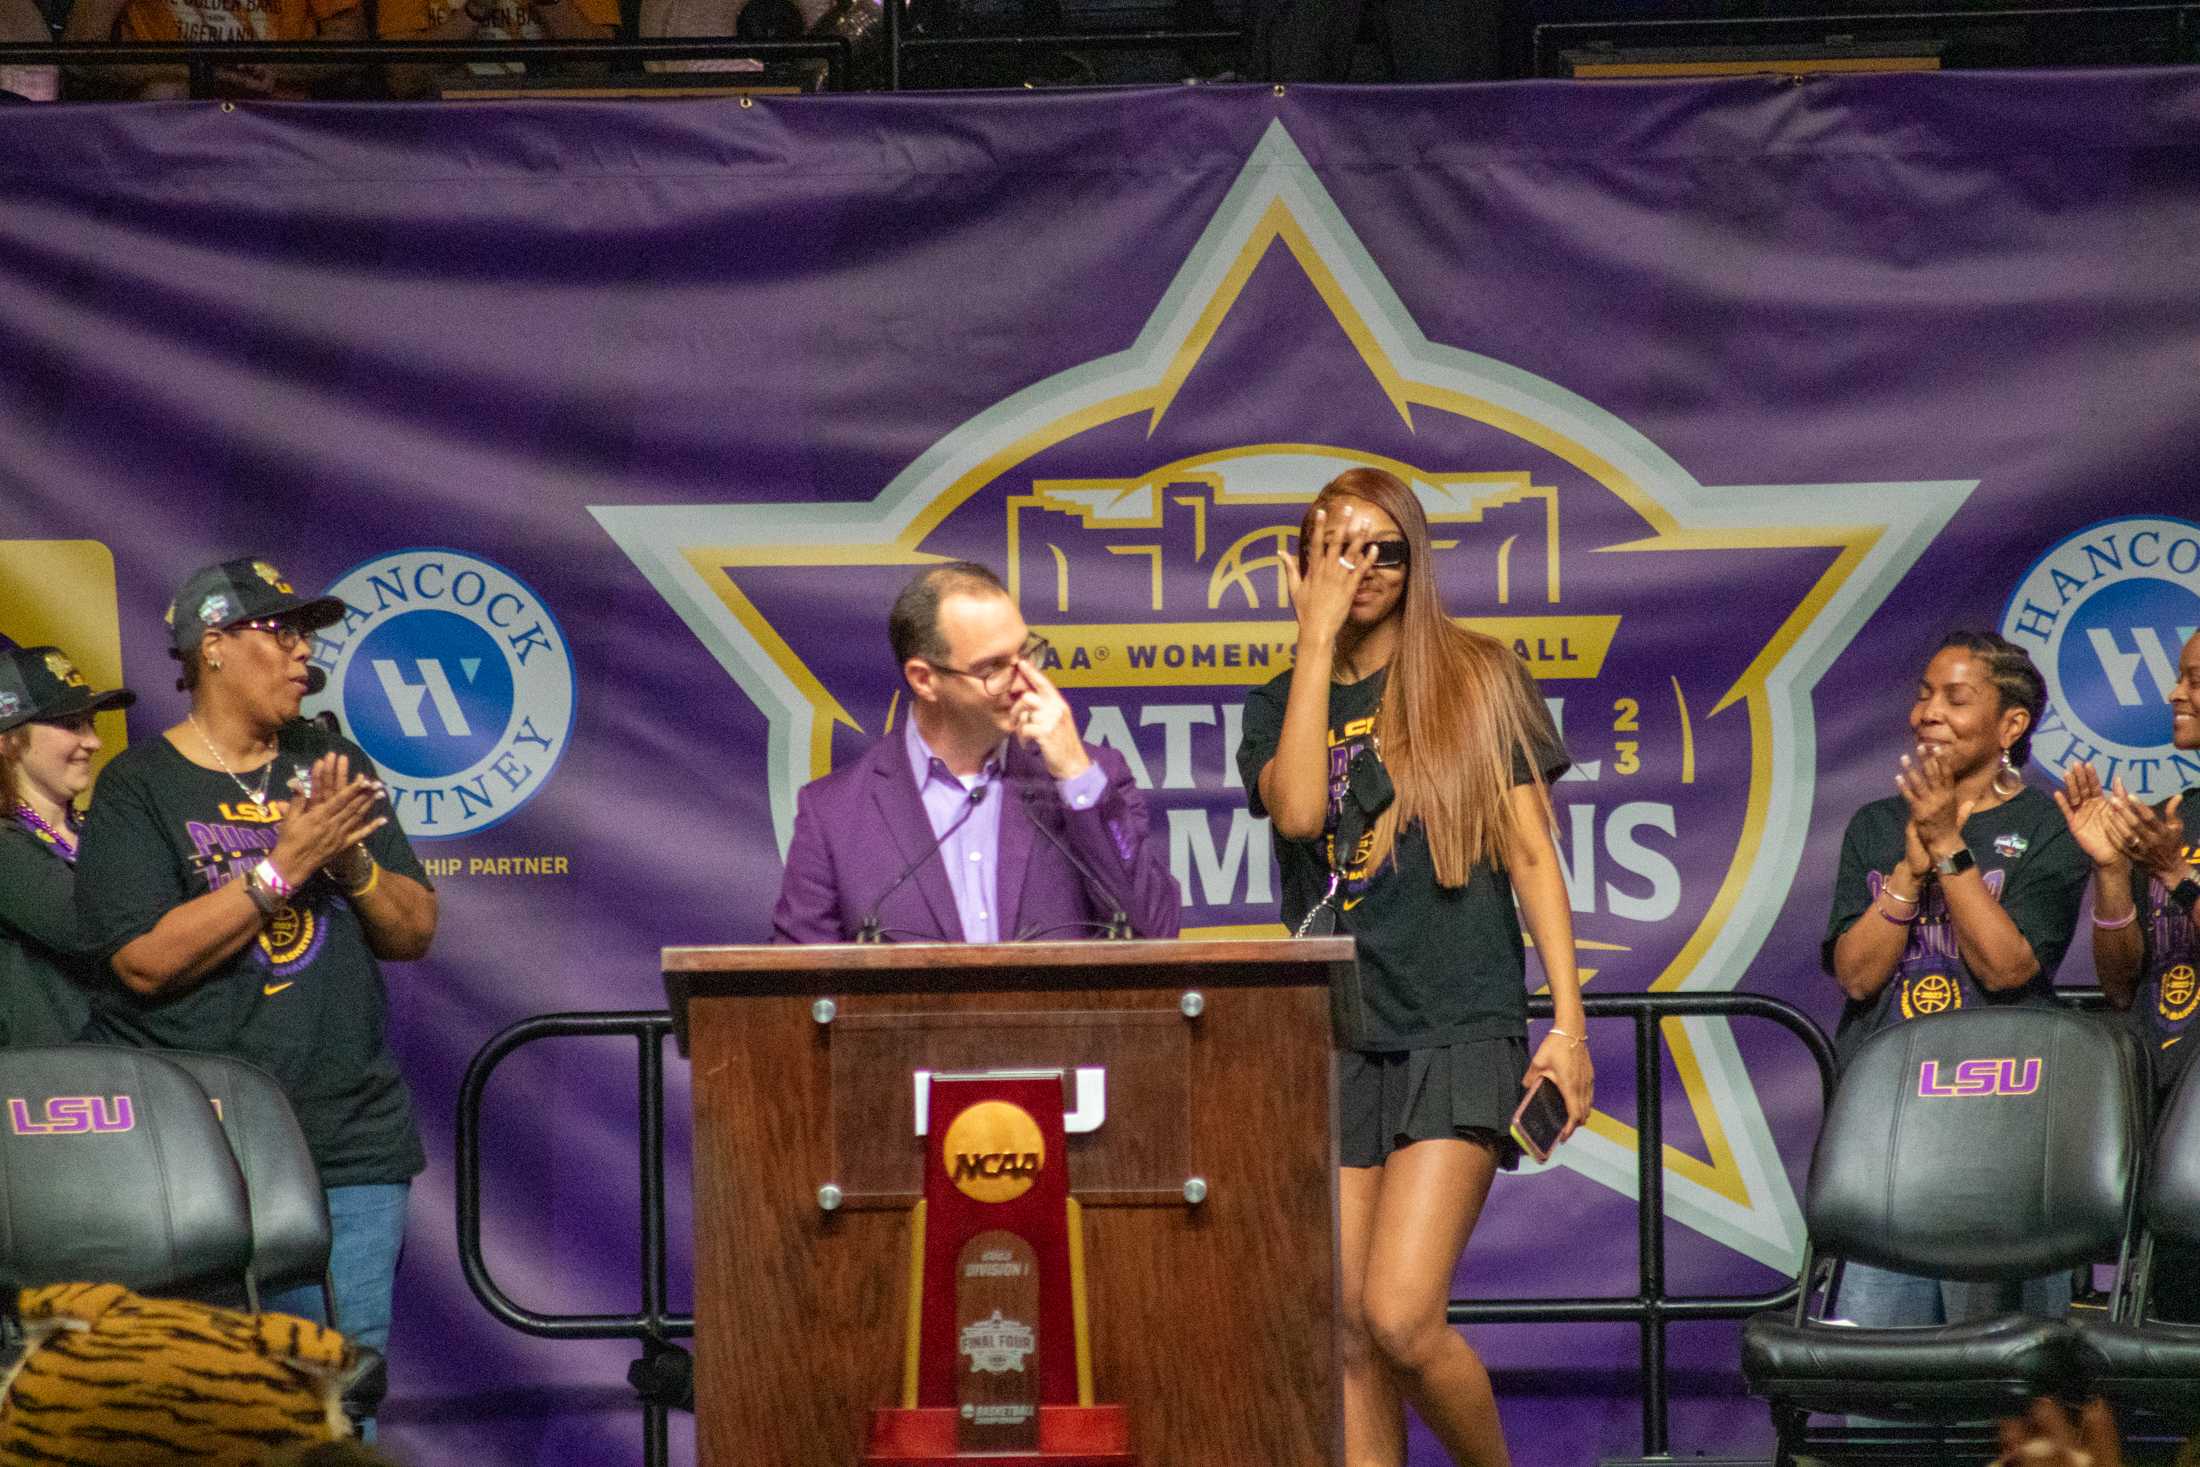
[
  {"x": 454, "y": 676},
  {"x": 2105, "y": 613},
  {"x": 1140, "y": 506}
]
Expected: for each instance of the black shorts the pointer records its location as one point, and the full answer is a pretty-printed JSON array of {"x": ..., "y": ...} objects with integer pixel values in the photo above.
[{"x": 1465, "y": 1091}]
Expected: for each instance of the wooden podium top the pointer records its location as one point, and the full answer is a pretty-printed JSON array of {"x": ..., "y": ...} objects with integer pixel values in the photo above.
[{"x": 827, "y": 969}]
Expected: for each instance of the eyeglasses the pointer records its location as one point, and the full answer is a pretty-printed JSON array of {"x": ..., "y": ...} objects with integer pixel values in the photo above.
[
  {"x": 286, "y": 636},
  {"x": 994, "y": 674}
]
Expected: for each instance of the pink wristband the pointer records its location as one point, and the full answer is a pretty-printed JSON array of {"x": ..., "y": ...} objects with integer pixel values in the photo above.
[
  {"x": 2121, "y": 922},
  {"x": 274, "y": 879}
]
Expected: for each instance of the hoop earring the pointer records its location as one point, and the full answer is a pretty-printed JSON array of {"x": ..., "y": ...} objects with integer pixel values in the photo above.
[{"x": 2010, "y": 770}]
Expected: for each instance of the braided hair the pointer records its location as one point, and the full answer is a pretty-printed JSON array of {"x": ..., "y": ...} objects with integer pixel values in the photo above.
[{"x": 2019, "y": 684}]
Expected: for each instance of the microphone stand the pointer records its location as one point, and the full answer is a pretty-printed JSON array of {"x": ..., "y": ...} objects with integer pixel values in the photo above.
[
  {"x": 870, "y": 931},
  {"x": 1118, "y": 923}
]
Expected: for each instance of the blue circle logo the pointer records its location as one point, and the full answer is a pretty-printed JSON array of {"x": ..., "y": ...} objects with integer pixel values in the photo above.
[
  {"x": 454, "y": 677},
  {"x": 2106, "y": 614},
  {"x": 428, "y": 694}
]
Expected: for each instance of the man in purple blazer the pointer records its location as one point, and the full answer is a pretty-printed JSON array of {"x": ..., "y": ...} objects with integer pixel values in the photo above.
[{"x": 983, "y": 818}]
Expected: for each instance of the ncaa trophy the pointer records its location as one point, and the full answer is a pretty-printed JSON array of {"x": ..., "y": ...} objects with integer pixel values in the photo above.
[{"x": 998, "y": 1364}]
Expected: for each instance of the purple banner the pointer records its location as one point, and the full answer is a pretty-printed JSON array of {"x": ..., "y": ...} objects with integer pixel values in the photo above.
[{"x": 619, "y": 425}]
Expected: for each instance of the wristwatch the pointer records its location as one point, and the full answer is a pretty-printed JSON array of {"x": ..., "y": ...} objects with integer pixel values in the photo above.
[
  {"x": 2186, "y": 893},
  {"x": 1956, "y": 862}
]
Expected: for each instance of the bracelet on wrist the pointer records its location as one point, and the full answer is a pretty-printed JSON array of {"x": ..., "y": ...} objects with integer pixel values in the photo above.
[
  {"x": 274, "y": 879},
  {"x": 373, "y": 878},
  {"x": 2117, "y": 924},
  {"x": 1578, "y": 1039},
  {"x": 1891, "y": 917},
  {"x": 1888, "y": 891},
  {"x": 264, "y": 900},
  {"x": 353, "y": 868}
]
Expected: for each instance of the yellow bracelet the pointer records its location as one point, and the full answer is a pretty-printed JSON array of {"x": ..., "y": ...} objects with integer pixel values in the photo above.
[{"x": 374, "y": 874}]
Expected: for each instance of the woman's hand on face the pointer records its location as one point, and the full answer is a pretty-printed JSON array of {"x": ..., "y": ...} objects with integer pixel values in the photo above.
[
  {"x": 1930, "y": 791},
  {"x": 1337, "y": 557},
  {"x": 1568, "y": 1065},
  {"x": 2087, "y": 810}
]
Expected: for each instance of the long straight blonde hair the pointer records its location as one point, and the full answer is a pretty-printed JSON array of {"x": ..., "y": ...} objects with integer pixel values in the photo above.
[{"x": 1455, "y": 710}]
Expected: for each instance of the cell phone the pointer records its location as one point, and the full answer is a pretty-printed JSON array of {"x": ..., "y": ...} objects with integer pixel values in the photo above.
[{"x": 1542, "y": 1115}]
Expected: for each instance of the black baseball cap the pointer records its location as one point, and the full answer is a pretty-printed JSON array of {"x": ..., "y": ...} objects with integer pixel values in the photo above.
[
  {"x": 251, "y": 589},
  {"x": 41, "y": 685}
]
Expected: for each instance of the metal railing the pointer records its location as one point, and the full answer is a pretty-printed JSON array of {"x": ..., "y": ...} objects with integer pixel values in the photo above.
[
  {"x": 655, "y": 1325},
  {"x": 1650, "y": 1307},
  {"x": 904, "y": 42},
  {"x": 201, "y": 59}
]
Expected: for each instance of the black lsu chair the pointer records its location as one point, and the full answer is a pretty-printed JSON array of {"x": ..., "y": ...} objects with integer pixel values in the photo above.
[
  {"x": 1997, "y": 1144},
  {"x": 2146, "y": 1366},
  {"x": 114, "y": 1169},
  {"x": 290, "y": 1225}
]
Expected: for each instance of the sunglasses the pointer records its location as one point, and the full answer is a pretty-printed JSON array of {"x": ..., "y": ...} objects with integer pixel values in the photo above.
[{"x": 1385, "y": 554}]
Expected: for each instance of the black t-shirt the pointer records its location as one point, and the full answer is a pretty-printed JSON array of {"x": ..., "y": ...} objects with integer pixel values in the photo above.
[
  {"x": 1438, "y": 965},
  {"x": 2028, "y": 860},
  {"x": 46, "y": 966},
  {"x": 2169, "y": 979},
  {"x": 304, "y": 1000}
]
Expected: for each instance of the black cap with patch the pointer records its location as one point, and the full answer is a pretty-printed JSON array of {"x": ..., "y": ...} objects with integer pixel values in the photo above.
[
  {"x": 220, "y": 596},
  {"x": 41, "y": 685}
]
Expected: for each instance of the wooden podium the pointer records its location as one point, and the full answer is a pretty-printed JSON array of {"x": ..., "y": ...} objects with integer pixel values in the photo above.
[{"x": 1208, "y": 1185}]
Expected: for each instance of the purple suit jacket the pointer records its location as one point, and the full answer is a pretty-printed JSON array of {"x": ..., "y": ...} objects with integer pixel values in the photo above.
[{"x": 860, "y": 827}]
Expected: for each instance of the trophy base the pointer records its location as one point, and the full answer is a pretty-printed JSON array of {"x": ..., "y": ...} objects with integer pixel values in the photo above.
[{"x": 1069, "y": 1436}]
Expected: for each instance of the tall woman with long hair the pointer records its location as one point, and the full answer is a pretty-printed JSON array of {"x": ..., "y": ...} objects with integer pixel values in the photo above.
[
  {"x": 47, "y": 741},
  {"x": 1403, "y": 761}
]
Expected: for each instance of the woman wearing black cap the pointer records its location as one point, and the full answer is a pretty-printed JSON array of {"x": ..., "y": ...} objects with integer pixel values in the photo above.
[
  {"x": 46, "y": 746},
  {"x": 243, "y": 877}
]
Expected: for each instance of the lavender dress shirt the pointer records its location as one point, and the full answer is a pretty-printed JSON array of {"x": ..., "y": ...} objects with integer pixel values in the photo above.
[{"x": 971, "y": 849}]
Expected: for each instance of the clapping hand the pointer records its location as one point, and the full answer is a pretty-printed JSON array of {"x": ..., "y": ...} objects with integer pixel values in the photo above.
[
  {"x": 336, "y": 811},
  {"x": 1929, "y": 788}
]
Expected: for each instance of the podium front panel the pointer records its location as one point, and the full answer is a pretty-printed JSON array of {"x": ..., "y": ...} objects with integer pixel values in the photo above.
[
  {"x": 1211, "y": 1323},
  {"x": 1135, "y": 1082}
]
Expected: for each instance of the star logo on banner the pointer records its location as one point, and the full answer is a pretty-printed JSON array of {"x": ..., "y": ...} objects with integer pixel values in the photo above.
[{"x": 1139, "y": 506}]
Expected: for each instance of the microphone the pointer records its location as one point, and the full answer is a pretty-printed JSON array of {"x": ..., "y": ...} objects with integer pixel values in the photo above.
[
  {"x": 1119, "y": 923},
  {"x": 316, "y": 679},
  {"x": 870, "y": 931}
]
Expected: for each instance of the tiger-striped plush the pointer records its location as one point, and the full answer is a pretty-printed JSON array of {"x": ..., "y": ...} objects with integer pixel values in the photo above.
[{"x": 111, "y": 1379}]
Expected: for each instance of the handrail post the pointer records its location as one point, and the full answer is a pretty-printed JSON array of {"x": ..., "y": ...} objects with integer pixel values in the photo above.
[{"x": 1650, "y": 1225}]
